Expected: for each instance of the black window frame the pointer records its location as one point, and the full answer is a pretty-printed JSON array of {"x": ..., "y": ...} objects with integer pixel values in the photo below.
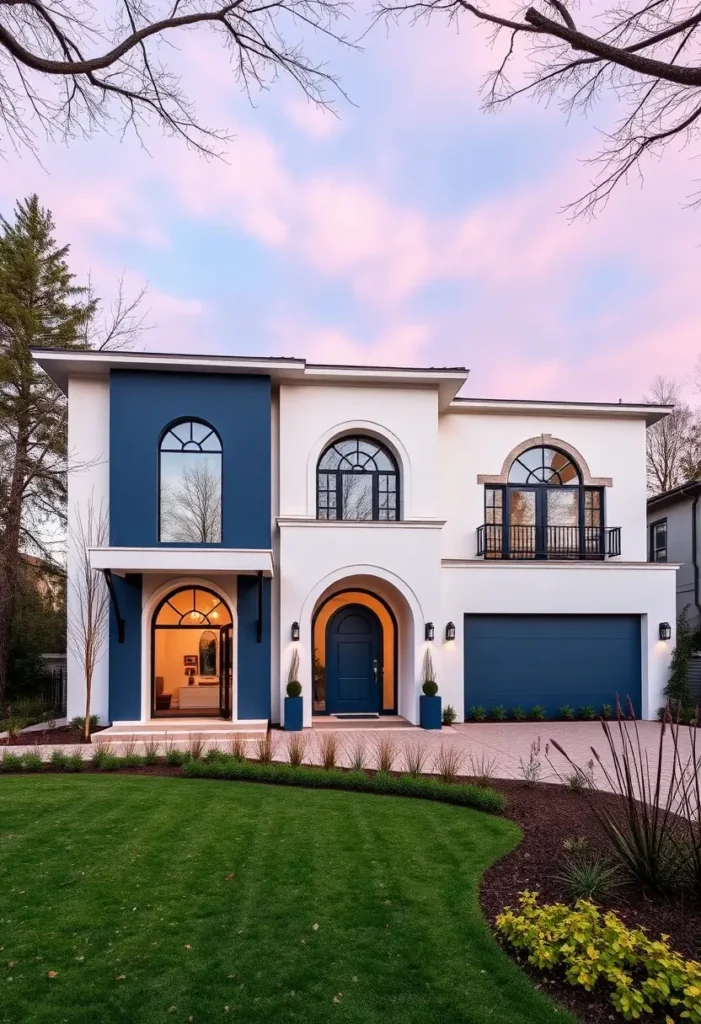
[
  {"x": 654, "y": 548},
  {"x": 332, "y": 485},
  {"x": 179, "y": 422}
]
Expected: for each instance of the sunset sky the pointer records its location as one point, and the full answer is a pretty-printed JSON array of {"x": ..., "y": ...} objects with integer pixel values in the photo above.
[{"x": 412, "y": 228}]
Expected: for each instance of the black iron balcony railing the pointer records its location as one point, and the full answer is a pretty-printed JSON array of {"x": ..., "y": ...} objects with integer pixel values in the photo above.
[{"x": 560, "y": 542}]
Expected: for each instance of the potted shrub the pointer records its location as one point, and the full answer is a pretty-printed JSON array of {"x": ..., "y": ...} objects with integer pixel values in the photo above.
[
  {"x": 429, "y": 702},
  {"x": 294, "y": 702}
]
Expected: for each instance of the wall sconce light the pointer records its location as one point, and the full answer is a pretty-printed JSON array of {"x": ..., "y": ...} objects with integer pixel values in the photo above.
[
  {"x": 430, "y": 631},
  {"x": 295, "y": 631},
  {"x": 665, "y": 631},
  {"x": 450, "y": 631}
]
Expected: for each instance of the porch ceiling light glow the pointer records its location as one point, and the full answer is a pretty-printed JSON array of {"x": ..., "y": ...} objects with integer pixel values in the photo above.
[
  {"x": 450, "y": 631},
  {"x": 665, "y": 631},
  {"x": 430, "y": 631},
  {"x": 295, "y": 631}
]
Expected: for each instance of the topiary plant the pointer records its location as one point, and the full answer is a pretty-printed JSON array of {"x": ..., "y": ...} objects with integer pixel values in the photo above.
[
  {"x": 294, "y": 688},
  {"x": 430, "y": 687}
]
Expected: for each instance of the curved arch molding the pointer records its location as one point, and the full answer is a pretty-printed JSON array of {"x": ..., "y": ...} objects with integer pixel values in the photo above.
[{"x": 548, "y": 441}]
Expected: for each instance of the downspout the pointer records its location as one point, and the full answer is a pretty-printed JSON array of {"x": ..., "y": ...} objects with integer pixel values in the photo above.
[{"x": 694, "y": 555}]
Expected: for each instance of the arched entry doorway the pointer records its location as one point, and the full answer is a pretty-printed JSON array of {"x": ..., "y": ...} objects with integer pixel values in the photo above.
[
  {"x": 191, "y": 655},
  {"x": 355, "y": 655}
]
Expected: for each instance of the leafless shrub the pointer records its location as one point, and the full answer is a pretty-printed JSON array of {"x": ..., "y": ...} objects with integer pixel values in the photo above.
[
  {"x": 151, "y": 749},
  {"x": 297, "y": 743},
  {"x": 358, "y": 753},
  {"x": 169, "y": 746},
  {"x": 415, "y": 757},
  {"x": 448, "y": 762},
  {"x": 483, "y": 768},
  {"x": 129, "y": 746},
  {"x": 329, "y": 749},
  {"x": 237, "y": 746},
  {"x": 196, "y": 746},
  {"x": 532, "y": 769},
  {"x": 386, "y": 753},
  {"x": 99, "y": 749},
  {"x": 265, "y": 746}
]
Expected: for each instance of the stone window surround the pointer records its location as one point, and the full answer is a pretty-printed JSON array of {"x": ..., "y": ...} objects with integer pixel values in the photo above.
[{"x": 548, "y": 441}]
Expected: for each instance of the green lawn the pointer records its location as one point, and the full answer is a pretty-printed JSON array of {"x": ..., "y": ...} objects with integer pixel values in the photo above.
[{"x": 159, "y": 899}]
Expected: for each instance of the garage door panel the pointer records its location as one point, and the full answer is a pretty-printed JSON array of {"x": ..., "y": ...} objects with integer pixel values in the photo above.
[{"x": 551, "y": 660}]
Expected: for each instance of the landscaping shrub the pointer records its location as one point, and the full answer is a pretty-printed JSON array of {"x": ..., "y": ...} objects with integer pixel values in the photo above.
[
  {"x": 78, "y": 723},
  {"x": 196, "y": 746},
  {"x": 464, "y": 794},
  {"x": 587, "y": 712},
  {"x": 567, "y": 712},
  {"x": 607, "y": 710},
  {"x": 151, "y": 748},
  {"x": 518, "y": 714},
  {"x": 75, "y": 763},
  {"x": 449, "y": 715},
  {"x": 478, "y": 713},
  {"x": 448, "y": 762},
  {"x": 532, "y": 769},
  {"x": 58, "y": 758},
  {"x": 237, "y": 746},
  {"x": 641, "y": 974},
  {"x": 538, "y": 713},
  {"x": 32, "y": 762},
  {"x": 589, "y": 876},
  {"x": 678, "y": 688},
  {"x": 175, "y": 757},
  {"x": 358, "y": 753},
  {"x": 415, "y": 758},
  {"x": 15, "y": 725},
  {"x": 498, "y": 712},
  {"x": 483, "y": 768},
  {"x": 329, "y": 749},
  {"x": 430, "y": 687},
  {"x": 386, "y": 753},
  {"x": 10, "y": 762},
  {"x": 99, "y": 751},
  {"x": 297, "y": 743},
  {"x": 132, "y": 760},
  {"x": 129, "y": 746},
  {"x": 110, "y": 762}
]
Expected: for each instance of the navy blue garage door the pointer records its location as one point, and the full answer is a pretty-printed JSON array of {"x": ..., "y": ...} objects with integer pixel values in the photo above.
[{"x": 522, "y": 660}]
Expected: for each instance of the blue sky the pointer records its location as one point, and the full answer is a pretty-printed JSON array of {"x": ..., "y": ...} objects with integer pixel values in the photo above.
[{"x": 413, "y": 228}]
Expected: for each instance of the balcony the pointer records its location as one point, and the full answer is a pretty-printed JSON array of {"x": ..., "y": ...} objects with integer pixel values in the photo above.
[{"x": 523, "y": 543}]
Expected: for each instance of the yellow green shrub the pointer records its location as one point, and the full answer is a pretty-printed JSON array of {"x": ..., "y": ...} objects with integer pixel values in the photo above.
[{"x": 590, "y": 947}]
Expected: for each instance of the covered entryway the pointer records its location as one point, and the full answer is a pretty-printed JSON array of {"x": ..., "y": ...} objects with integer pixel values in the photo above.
[
  {"x": 192, "y": 655},
  {"x": 551, "y": 660}
]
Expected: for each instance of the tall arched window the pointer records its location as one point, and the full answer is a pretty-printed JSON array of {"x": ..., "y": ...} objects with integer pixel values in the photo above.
[
  {"x": 357, "y": 478},
  {"x": 190, "y": 459},
  {"x": 544, "y": 511}
]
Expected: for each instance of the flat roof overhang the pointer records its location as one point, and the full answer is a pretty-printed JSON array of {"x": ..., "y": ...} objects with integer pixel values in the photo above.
[{"x": 190, "y": 561}]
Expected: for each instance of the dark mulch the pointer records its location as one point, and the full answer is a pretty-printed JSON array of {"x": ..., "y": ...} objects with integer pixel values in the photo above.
[
  {"x": 40, "y": 737},
  {"x": 548, "y": 815}
]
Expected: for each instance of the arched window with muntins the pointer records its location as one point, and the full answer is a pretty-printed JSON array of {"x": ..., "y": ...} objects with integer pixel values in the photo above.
[
  {"x": 544, "y": 511},
  {"x": 357, "y": 479},
  {"x": 190, "y": 500}
]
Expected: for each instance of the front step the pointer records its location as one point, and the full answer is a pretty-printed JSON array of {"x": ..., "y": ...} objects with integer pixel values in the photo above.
[{"x": 183, "y": 731}]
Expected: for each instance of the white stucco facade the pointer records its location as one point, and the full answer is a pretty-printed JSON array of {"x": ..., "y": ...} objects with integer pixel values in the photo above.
[{"x": 425, "y": 567}]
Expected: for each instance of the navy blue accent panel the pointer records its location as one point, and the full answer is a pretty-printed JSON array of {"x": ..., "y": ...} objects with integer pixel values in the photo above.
[
  {"x": 353, "y": 661},
  {"x": 552, "y": 660},
  {"x": 125, "y": 659},
  {"x": 143, "y": 404},
  {"x": 253, "y": 671}
]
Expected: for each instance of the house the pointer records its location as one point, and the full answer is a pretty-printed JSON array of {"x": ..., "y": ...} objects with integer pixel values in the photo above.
[
  {"x": 674, "y": 533},
  {"x": 360, "y": 515}
]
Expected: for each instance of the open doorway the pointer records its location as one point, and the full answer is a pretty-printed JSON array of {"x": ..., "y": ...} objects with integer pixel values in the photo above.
[{"x": 191, "y": 656}]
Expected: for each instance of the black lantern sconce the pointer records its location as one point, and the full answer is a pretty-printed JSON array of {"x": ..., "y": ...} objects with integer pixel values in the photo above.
[
  {"x": 450, "y": 631},
  {"x": 430, "y": 631},
  {"x": 295, "y": 631},
  {"x": 665, "y": 631}
]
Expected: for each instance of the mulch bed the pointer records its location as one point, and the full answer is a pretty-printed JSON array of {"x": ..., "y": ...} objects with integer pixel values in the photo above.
[
  {"x": 548, "y": 815},
  {"x": 64, "y": 734}
]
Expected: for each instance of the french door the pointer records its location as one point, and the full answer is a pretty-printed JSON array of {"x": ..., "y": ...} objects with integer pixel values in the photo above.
[
  {"x": 225, "y": 671},
  {"x": 544, "y": 522}
]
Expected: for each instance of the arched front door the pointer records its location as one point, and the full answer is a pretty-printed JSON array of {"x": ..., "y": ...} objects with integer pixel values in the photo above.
[{"x": 354, "y": 661}]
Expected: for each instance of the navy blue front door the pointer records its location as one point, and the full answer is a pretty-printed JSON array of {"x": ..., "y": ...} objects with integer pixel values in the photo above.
[{"x": 353, "y": 661}]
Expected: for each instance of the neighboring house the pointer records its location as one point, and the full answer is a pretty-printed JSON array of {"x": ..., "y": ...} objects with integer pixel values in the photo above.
[
  {"x": 674, "y": 535},
  {"x": 362, "y": 515}
]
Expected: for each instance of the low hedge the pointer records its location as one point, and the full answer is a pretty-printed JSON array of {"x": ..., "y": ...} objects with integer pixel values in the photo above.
[
  {"x": 462, "y": 794},
  {"x": 643, "y": 975}
]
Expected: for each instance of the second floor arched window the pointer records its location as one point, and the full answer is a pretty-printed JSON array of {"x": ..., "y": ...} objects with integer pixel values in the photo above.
[
  {"x": 357, "y": 478},
  {"x": 190, "y": 499}
]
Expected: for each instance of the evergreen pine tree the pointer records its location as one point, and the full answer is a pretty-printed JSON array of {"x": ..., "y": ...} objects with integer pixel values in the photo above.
[
  {"x": 678, "y": 688},
  {"x": 40, "y": 307}
]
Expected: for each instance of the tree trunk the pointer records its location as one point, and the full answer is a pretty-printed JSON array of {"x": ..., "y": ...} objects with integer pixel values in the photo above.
[{"x": 10, "y": 558}]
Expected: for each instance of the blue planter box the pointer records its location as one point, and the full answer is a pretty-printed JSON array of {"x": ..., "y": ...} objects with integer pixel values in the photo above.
[
  {"x": 430, "y": 712},
  {"x": 294, "y": 713}
]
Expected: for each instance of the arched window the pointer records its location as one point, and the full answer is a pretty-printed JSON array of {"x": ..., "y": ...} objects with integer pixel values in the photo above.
[
  {"x": 544, "y": 511},
  {"x": 357, "y": 478},
  {"x": 190, "y": 459}
]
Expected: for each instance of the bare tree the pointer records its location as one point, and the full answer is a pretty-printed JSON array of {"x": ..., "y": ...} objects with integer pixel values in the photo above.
[
  {"x": 118, "y": 326},
  {"x": 191, "y": 507},
  {"x": 646, "y": 56},
  {"x": 673, "y": 445},
  {"x": 71, "y": 67},
  {"x": 88, "y": 617}
]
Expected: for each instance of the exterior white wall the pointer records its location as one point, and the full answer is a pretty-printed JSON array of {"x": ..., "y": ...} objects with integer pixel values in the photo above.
[
  {"x": 401, "y": 561},
  {"x": 551, "y": 589},
  {"x": 405, "y": 419},
  {"x": 478, "y": 443},
  {"x": 88, "y": 482}
]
